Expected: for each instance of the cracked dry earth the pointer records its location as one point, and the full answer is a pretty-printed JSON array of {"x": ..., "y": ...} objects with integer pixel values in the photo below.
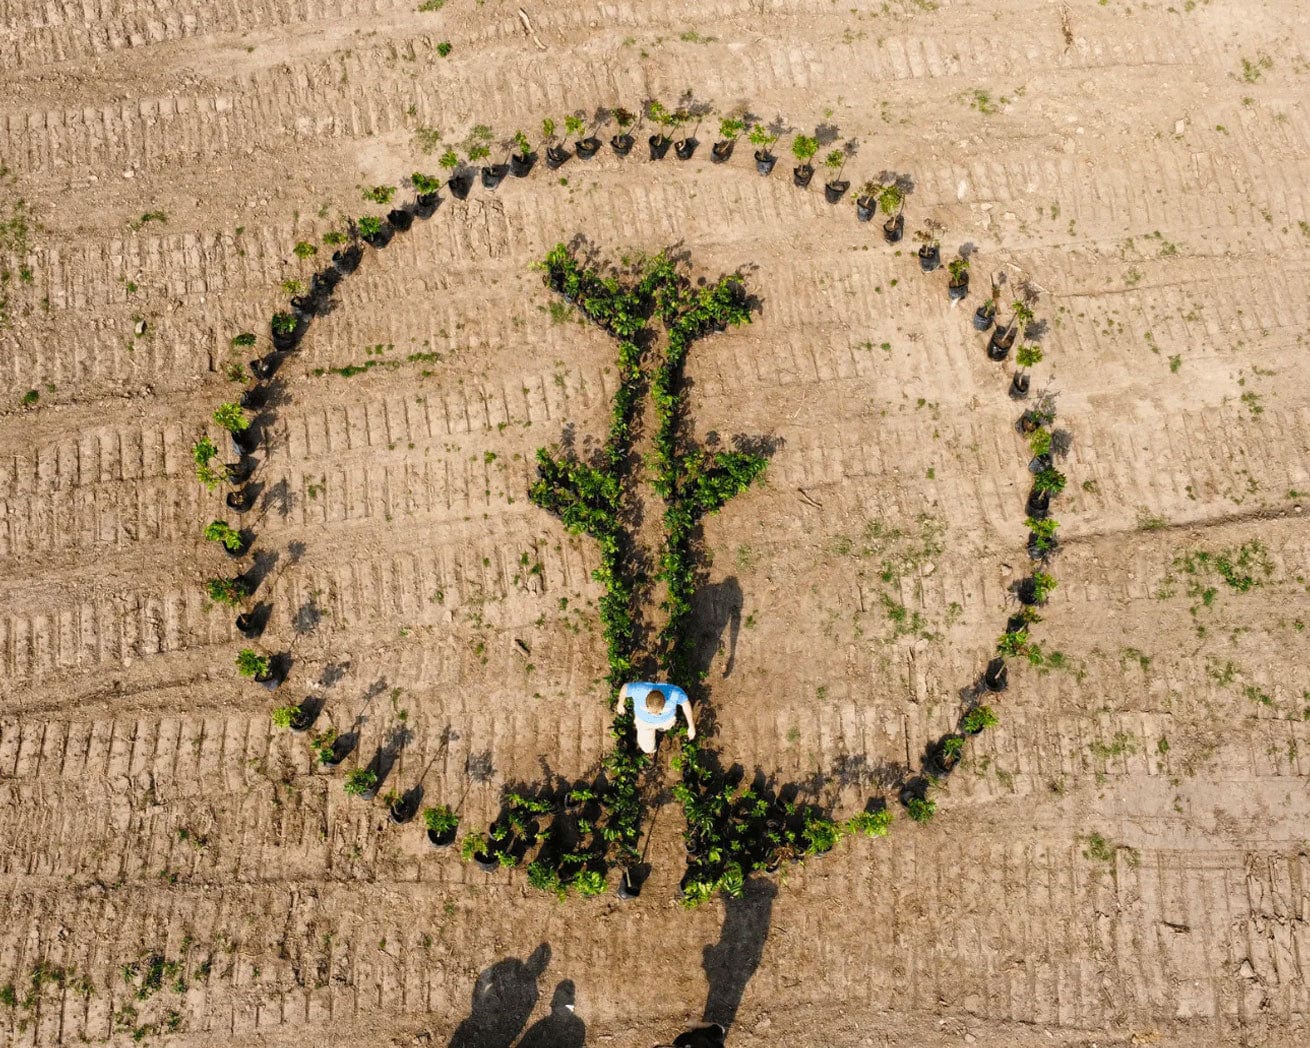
[{"x": 1122, "y": 861}]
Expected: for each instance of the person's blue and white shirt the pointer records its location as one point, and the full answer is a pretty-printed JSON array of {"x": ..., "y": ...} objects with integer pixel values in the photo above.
[{"x": 674, "y": 697}]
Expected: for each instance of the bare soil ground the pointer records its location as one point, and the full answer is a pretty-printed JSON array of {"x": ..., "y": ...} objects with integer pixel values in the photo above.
[{"x": 1124, "y": 860}]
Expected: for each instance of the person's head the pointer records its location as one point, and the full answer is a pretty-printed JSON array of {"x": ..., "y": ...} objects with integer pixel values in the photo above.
[{"x": 655, "y": 701}]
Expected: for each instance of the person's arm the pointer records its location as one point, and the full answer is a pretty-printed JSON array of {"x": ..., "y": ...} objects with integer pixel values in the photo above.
[
  {"x": 691, "y": 724},
  {"x": 623, "y": 696}
]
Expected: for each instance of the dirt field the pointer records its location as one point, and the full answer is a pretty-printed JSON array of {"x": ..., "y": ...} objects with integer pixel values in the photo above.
[{"x": 1122, "y": 861}]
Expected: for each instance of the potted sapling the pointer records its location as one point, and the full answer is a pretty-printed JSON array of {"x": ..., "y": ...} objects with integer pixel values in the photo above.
[
  {"x": 892, "y": 200},
  {"x": 998, "y": 346},
  {"x": 460, "y": 181},
  {"x": 296, "y": 717},
  {"x": 762, "y": 139},
  {"x": 978, "y": 719},
  {"x": 996, "y": 677},
  {"x": 474, "y": 848},
  {"x": 957, "y": 286},
  {"x": 623, "y": 142},
  {"x": 204, "y": 451},
  {"x": 228, "y": 592},
  {"x": 949, "y": 751},
  {"x": 441, "y": 825},
  {"x": 250, "y": 624},
  {"x": 521, "y": 157},
  {"x": 835, "y": 188},
  {"x": 660, "y": 141},
  {"x": 921, "y": 809},
  {"x": 259, "y": 668},
  {"x": 587, "y": 145},
  {"x": 1039, "y": 443},
  {"x": 803, "y": 148},
  {"x": 930, "y": 248},
  {"x": 1036, "y": 589},
  {"x": 730, "y": 129},
  {"x": 234, "y": 419},
  {"x": 346, "y": 259},
  {"x": 373, "y": 231},
  {"x": 685, "y": 146},
  {"x": 1047, "y": 482},
  {"x": 426, "y": 189},
  {"x": 324, "y": 745},
  {"x": 555, "y": 156},
  {"x": 361, "y": 783},
  {"x": 986, "y": 313},
  {"x": 590, "y": 146},
  {"x": 241, "y": 500},
  {"x": 491, "y": 174},
  {"x": 1041, "y": 537},
  {"x": 400, "y": 806},
  {"x": 285, "y": 328},
  {"x": 1028, "y": 355},
  {"x": 263, "y": 368},
  {"x": 866, "y": 201},
  {"x": 234, "y": 542}
]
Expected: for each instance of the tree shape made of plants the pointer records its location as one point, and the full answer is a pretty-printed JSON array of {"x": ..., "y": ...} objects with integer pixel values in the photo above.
[{"x": 580, "y": 830}]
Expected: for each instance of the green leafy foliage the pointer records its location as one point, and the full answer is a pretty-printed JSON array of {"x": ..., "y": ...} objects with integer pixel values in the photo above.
[
  {"x": 252, "y": 664},
  {"x": 921, "y": 809},
  {"x": 284, "y": 715},
  {"x": 283, "y": 323},
  {"x": 223, "y": 532},
  {"x": 424, "y": 185},
  {"x": 380, "y": 194},
  {"x": 1049, "y": 481},
  {"x": 978, "y": 719},
  {"x": 803, "y": 148},
  {"x": 369, "y": 226},
  {"x": 232, "y": 418},
  {"x": 229, "y": 592},
  {"x": 440, "y": 819},
  {"x": 359, "y": 782},
  {"x": 324, "y": 743}
]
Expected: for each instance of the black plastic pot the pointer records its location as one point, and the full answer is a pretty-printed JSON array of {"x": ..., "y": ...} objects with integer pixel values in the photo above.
[
  {"x": 556, "y": 157},
  {"x": 284, "y": 342},
  {"x": 243, "y": 549},
  {"x": 400, "y": 219},
  {"x": 893, "y": 229},
  {"x": 834, "y": 191},
  {"x": 441, "y": 840},
  {"x": 303, "y": 720},
  {"x": 425, "y": 204},
  {"x": 460, "y": 185},
  {"x": 252, "y": 399},
  {"x": 340, "y": 751},
  {"x": 250, "y": 625},
  {"x": 271, "y": 681},
  {"x": 263, "y": 368},
  {"x": 685, "y": 148},
  {"x": 241, "y": 500},
  {"x": 957, "y": 292},
  {"x": 347, "y": 259},
  {"x": 659, "y": 145},
  {"x": 493, "y": 175},
  {"x": 520, "y": 164},
  {"x": 486, "y": 862},
  {"x": 588, "y": 147},
  {"x": 930, "y": 257},
  {"x": 997, "y": 677},
  {"x": 801, "y": 175},
  {"x": 1035, "y": 550},
  {"x": 865, "y": 208},
  {"x": 1019, "y": 385},
  {"x": 242, "y": 471},
  {"x": 764, "y": 161},
  {"x": 1027, "y": 593},
  {"x": 622, "y": 144},
  {"x": 1015, "y": 623},
  {"x": 1040, "y": 462},
  {"x": 721, "y": 151},
  {"x": 629, "y": 887},
  {"x": 998, "y": 346},
  {"x": 983, "y": 316},
  {"x": 401, "y": 811},
  {"x": 946, "y": 760},
  {"x": 1038, "y": 505},
  {"x": 244, "y": 443}
]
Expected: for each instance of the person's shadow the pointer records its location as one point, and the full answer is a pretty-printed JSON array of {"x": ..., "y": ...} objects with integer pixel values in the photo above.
[
  {"x": 503, "y": 999},
  {"x": 561, "y": 1028},
  {"x": 730, "y": 963}
]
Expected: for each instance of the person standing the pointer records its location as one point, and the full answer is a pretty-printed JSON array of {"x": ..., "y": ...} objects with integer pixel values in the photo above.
[{"x": 655, "y": 708}]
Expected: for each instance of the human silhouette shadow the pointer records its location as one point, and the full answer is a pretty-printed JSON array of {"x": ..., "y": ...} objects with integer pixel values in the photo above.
[
  {"x": 716, "y": 610},
  {"x": 503, "y": 999},
  {"x": 730, "y": 963},
  {"x": 562, "y": 1028}
]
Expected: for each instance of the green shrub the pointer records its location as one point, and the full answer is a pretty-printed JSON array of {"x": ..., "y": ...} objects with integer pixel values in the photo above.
[
  {"x": 250, "y": 664},
  {"x": 440, "y": 819},
  {"x": 221, "y": 531},
  {"x": 232, "y": 418},
  {"x": 226, "y": 591},
  {"x": 870, "y": 823},
  {"x": 359, "y": 782},
  {"x": 921, "y": 809},
  {"x": 979, "y": 718},
  {"x": 284, "y": 715}
]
